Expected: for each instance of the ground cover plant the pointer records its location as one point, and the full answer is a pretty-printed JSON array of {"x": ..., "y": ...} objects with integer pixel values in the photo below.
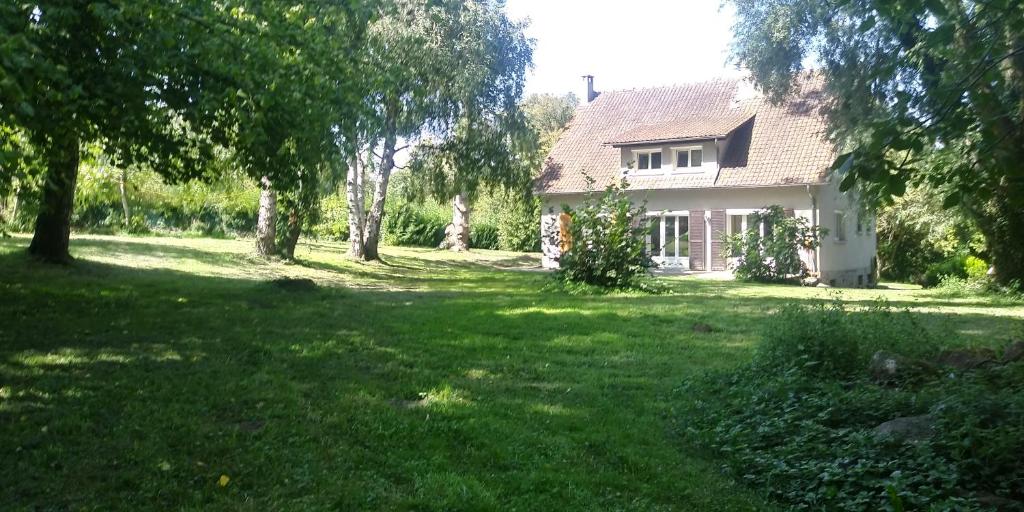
[
  {"x": 819, "y": 421},
  {"x": 167, "y": 373}
]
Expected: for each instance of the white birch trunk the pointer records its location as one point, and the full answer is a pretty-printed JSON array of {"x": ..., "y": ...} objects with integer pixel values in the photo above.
[
  {"x": 266, "y": 224},
  {"x": 458, "y": 231}
]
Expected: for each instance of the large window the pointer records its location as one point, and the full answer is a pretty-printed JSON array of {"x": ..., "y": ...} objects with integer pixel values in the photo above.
[
  {"x": 689, "y": 157},
  {"x": 648, "y": 160},
  {"x": 840, "y": 226},
  {"x": 669, "y": 239}
]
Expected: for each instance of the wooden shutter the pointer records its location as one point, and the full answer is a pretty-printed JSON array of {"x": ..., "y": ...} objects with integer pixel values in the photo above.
[
  {"x": 564, "y": 235},
  {"x": 717, "y": 232},
  {"x": 696, "y": 239}
]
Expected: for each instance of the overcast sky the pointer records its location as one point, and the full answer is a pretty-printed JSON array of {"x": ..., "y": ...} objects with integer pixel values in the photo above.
[{"x": 625, "y": 44}]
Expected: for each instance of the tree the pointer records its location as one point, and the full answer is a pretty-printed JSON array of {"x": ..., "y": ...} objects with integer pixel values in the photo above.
[
  {"x": 440, "y": 71},
  {"x": 923, "y": 92},
  {"x": 163, "y": 85},
  {"x": 549, "y": 115}
]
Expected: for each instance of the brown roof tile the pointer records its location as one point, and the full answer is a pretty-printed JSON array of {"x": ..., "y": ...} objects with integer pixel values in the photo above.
[{"x": 769, "y": 144}]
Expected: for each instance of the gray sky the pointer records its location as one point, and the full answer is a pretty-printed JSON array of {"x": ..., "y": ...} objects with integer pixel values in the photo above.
[{"x": 639, "y": 43}]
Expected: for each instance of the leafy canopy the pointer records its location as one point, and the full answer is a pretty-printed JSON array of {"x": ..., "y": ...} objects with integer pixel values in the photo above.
[{"x": 923, "y": 92}]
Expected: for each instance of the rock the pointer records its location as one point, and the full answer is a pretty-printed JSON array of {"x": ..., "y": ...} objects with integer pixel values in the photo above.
[
  {"x": 886, "y": 367},
  {"x": 810, "y": 281},
  {"x": 1014, "y": 353},
  {"x": 702, "y": 327},
  {"x": 295, "y": 285},
  {"x": 909, "y": 428},
  {"x": 966, "y": 359}
]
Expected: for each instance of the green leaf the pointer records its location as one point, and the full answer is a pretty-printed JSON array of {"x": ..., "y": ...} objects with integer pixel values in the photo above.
[
  {"x": 842, "y": 162},
  {"x": 952, "y": 200},
  {"x": 867, "y": 24}
]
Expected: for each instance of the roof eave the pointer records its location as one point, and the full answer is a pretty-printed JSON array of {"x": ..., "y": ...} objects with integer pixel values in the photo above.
[{"x": 702, "y": 138}]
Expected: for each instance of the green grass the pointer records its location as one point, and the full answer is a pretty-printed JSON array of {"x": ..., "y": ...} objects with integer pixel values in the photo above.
[{"x": 139, "y": 375}]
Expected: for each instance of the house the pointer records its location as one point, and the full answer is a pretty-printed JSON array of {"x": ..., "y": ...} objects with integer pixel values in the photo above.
[{"x": 704, "y": 156}]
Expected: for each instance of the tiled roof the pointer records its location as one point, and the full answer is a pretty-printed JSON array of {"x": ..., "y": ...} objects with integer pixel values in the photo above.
[
  {"x": 768, "y": 144},
  {"x": 687, "y": 127}
]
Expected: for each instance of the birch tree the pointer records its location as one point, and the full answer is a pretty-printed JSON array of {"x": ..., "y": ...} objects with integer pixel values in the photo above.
[{"x": 444, "y": 70}]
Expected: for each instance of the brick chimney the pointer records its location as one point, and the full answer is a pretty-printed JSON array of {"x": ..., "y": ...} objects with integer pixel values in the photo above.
[{"x": 591, "y": 93}]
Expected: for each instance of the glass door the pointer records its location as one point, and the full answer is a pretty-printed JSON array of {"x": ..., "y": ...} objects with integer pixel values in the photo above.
[{"x": 668, "y": 241}]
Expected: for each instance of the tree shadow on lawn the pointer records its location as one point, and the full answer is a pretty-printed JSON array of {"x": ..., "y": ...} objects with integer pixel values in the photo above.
[
  {"x": 111, "y": 372},
  {"x": 108, "y": 372}
]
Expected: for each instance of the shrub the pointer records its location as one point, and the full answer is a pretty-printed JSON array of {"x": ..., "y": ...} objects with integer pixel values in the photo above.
[
  {"x": 776, "y": 255},
  {"x": 483, "y": 236},
  {"x": 606, "y": 246},
  {"x": 799, "y": 420},
  {"x": 333, "y": 221},
  {"x": 519, "y": 225},
  {"x": 958, "y": 267},
  {"x": 975, "y": 267},
  {"x": 414, "y": 225}
]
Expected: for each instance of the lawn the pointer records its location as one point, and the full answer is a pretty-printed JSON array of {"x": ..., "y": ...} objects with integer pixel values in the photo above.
[{"x": 167, "y": 373}]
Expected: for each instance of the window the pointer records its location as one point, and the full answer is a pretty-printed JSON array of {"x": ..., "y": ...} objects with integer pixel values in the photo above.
[
  {"x": 689, "y": 157},
  {"x": 860, "y": 224},
  {"x": 840, "y": 227},
  {"x": 648, "y": 161},
  {"x": 669, "y": 239},
  {"x": 735, "y": 227}
]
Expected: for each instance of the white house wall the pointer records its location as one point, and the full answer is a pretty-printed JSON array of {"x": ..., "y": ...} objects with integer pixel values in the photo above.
[
  {"x": 842, "y": 262},
  {"x": 850, "y": 262},
  {"x": 708, "y": 164}
]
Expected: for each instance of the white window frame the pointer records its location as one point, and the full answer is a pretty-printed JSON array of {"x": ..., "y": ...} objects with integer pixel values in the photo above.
[
  {"x": 661, "y": 259},
  {"x": 689, "y": 159},
  {"x": 745, "y": 213},
  {"x": 636, "y": 160},
  {"x": 840, "y": 227}
]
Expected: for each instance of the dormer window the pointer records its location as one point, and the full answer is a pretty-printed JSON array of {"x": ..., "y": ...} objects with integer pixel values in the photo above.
[
  {"x": 689, "y": 157},
  {"x": 648, "y": 160}
]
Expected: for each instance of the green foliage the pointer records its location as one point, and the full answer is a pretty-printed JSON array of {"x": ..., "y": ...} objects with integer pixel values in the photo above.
[
  {"x": 776, "y": 255},
  {"x": 333, "y": 219},
  {"x": 227, "y": 206},
  {"x": 607, "y": 247},
  {"x": 959, "y": 266},
  {"x": 516, "y": 217},
  {"x": 798, "y": 421},
  {"x": 923, "y": 93},
  {"x": 548, "y": 115},
  {"x": 484, "y": 236},
  {"x": 915, "y": 233},
  {"x": 411, "y": 224}
]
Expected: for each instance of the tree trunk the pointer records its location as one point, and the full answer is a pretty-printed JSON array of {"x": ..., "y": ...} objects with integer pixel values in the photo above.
[
  {"x": 291, "y": 238},
  {"x": 457, "y": 234},
  {"x": 266, "y": 224},
  {"x": 1002, "y": 223},
  {"x": 122, "y": 185},
  {"x": 371, "y": 234},
  {"x": 356, "y": 213},
  {"x": 53, "y": 224}
]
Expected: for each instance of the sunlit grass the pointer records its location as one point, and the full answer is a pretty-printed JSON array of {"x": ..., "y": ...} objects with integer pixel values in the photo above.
[{"x": 138, "y": 376}]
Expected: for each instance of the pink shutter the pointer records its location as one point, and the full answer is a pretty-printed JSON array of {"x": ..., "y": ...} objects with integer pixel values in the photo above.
[
  {"x": 717, "y": 232},
  {"x": 696, "y": 240}
]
